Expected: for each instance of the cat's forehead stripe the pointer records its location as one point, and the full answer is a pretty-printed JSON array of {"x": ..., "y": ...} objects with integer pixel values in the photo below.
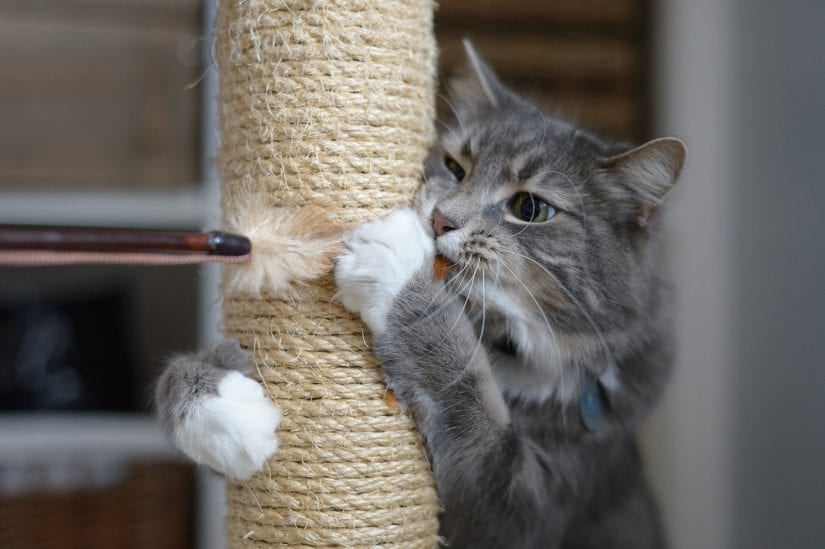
[{"x": 525, "y": 167}]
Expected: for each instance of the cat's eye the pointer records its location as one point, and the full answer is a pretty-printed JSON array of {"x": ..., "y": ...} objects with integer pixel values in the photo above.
[
  {"x": 454, "y": 167},
  {"x": 528, "y": 207}
]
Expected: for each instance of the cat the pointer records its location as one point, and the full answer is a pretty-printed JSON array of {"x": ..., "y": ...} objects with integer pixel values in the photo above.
[{"x": 529, "y": 367}]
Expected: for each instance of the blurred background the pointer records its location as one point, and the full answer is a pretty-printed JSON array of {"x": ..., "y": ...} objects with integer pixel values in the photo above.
[{"x": 107, "y": 117}]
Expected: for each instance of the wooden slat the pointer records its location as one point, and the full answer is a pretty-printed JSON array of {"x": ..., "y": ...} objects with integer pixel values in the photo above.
[
  {"x": 615, "y": 116},
  {"x": 94, "y": 92},
  {"x": 91, "y": 105},
  {"x": 160, "y": 13},
  {"x": 584, "y": 60},
  {"x": 571, "y": 12},
  {"x": 530, "y": 55}
]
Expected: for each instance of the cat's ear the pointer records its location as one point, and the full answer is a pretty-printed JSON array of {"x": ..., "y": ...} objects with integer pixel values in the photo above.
[
  {"x": 648, "y": 172},
  {"x": 479, "y": 85}
]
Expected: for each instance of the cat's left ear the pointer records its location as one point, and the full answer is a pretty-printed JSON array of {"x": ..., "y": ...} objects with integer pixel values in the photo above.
[
  {"x": 478, "y": 86},
  {"x": 649, "y": 172}
]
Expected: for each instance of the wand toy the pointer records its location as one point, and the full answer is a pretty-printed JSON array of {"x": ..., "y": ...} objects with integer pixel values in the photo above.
[{"x": 43, "y": 246}]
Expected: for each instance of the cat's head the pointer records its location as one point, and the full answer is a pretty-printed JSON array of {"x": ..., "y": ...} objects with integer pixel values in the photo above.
[{"x": 551, "y": 230}]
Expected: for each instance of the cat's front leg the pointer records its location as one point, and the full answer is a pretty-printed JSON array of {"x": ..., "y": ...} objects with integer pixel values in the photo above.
[
  {"x": 215, "y": 414},
  {"x": 499, "y": 487}
]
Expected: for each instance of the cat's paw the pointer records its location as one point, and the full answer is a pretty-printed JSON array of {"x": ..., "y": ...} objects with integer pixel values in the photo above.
[
  {"x": 232, "y": 431},
  {"x": 380, "y": 258}
]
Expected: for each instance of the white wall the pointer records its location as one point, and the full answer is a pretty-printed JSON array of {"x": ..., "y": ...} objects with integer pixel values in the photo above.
[
  {"x": 779, "y": 290},
  {"x": 691, "y": 445},
  {"x": 739, "y": 444}
]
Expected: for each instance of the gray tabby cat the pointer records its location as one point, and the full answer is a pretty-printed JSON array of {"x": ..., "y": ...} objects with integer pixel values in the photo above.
[{"x": 528, "y": 368}]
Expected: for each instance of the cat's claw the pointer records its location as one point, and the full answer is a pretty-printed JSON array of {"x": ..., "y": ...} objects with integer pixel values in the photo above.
[
  {"x": 233, "y": 431},
  {"x": 380, "y": 258}
]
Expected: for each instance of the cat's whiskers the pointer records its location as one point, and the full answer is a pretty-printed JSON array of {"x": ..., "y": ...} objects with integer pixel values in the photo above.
[
  {"x": 467, "y": 297},
  {"x": 496, "y": 273},
  {"x": 460, "y": 315},
  {"x": 550, "y": 330},
  {"x": 480, "y": 342},
  {"x": 458, "y": 278},
  {"x": 577, "y": 303},
  {"x": 499, "y": 264},
  {"x": 445, "y": 289},
  {"x": 524, "y": 228},
  {"x": 489, "y": 235},
  {"x": 556, "y": 261},
  {"x": 497, "y": 225},
  {"x": 483, "y": 320}
]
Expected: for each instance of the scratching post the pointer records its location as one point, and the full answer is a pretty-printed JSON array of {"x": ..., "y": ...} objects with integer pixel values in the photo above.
[{"x": 326, "y": 108}]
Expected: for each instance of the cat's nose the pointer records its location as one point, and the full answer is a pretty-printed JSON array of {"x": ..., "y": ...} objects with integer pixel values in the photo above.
[{"x": 441, "y": 224}]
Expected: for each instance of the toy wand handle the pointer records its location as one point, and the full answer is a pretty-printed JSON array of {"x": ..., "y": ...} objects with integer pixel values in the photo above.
[{"x": 24, "y": 245}]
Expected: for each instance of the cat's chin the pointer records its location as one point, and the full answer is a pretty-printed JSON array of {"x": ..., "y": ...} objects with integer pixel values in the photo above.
[{"x": 527, "y": 362}]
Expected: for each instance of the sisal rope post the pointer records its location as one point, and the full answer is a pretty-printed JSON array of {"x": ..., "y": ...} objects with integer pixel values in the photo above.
[{"x": 327, "y": 108}]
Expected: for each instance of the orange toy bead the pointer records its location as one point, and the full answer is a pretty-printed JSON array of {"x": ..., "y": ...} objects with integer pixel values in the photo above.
[{"x": 441, "y": 267}]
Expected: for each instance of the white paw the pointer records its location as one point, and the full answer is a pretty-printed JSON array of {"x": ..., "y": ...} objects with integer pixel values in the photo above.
[
  {"x": 232, "y": 432},
  {"x": 380, "y": 258}
]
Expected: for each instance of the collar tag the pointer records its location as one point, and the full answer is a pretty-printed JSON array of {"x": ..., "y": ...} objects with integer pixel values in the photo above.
[{"x": 591, "y": 406}]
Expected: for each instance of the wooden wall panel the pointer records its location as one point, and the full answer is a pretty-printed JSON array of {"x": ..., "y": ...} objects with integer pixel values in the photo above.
[
  {"x": 585, "y": 60},
  {"x": 566, "y": 60},
  {"x": 95, "y": 94},
  {"x": 529, "y": 12}
]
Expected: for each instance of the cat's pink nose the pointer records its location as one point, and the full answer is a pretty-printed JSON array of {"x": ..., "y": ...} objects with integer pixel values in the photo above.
[{"x": 441, "y": 224}]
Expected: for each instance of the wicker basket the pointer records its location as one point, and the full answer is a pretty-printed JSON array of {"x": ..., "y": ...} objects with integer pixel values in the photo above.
[{"x": 150, "y": 506}]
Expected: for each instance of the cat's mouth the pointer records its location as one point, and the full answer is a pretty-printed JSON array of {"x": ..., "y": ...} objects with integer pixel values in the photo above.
[{"x": 469, "y": 250}]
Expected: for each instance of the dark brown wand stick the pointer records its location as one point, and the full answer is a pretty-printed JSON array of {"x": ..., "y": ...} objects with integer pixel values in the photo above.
[{"x": 25, "y": 245}]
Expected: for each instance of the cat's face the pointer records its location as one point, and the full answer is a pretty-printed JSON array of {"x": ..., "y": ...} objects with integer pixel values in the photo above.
[{"x": 548, "y": 230}]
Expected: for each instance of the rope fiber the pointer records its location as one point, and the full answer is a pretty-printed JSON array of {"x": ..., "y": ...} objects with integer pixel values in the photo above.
[{"x": 329, "y": 105}]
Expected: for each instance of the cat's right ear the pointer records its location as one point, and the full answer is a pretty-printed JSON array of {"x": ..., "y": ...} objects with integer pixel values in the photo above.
[
  {"x": 478, "y": 86},
  {"x": 648, "y": 173}
]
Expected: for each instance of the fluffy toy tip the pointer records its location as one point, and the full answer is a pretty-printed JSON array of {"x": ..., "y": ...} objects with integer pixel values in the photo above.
[{"x": 289, "y": 244}]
